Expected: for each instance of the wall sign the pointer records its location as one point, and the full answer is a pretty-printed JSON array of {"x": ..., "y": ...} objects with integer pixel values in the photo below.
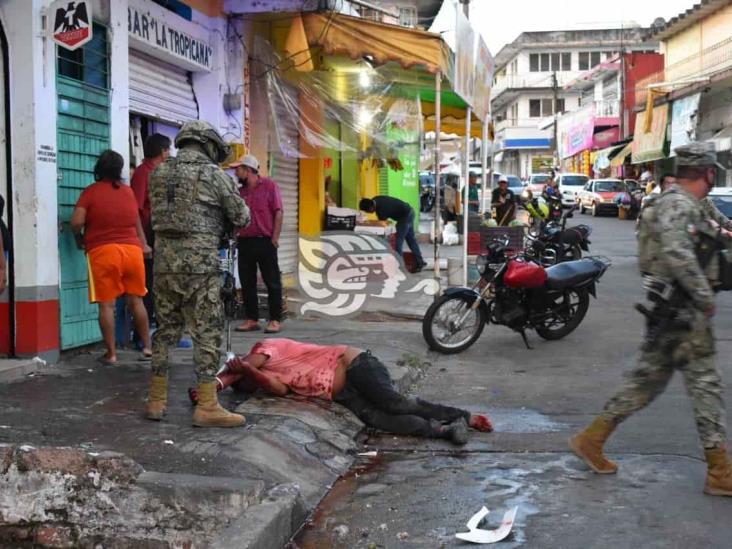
[
  {"x": 46, "y": 153},
  {"x": 156, "y": 31},
  {"x": 72, "y": 23}
]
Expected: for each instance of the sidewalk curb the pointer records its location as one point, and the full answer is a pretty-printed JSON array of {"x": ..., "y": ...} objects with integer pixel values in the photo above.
[
  {"x": 267, "y": 525},
  {"x": 13, "y": 370}
]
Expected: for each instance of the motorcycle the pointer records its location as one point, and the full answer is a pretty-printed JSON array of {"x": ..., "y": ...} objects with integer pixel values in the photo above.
[
  {"x": 552, "y": 242},
  {"x": 517, "y": 293}
]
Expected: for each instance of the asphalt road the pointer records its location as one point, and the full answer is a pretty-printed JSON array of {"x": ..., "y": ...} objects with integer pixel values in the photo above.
[{"x": 418, "y": 493}]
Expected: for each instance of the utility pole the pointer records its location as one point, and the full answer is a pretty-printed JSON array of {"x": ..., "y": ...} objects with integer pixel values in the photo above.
[
  {"x": 466, "y": 7},
  {"x": 555, "y": 90}
]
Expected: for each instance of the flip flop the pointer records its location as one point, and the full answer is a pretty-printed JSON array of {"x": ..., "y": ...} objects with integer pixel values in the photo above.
[
  {"x": 144, "y": 357},
  {"x": 252, "y": 328},
  {"x": 106, "y": 361}
]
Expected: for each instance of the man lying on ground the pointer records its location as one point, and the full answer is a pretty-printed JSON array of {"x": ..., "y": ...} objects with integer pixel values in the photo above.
[{"x": 351, "y": 377}]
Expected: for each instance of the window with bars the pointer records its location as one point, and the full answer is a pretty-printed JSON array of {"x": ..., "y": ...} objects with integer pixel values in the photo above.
[
  {"x": 408, "y": 17},
  {"x": 90, "y": 63}
]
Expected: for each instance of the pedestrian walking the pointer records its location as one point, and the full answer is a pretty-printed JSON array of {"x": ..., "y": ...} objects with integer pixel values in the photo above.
[
  {"x": 194, "y": 205},
  {"x": 257, "y": 244},
  {"x": 672, "y": 234},
  {"x": 156, "y": 149},
  {"x": 107, "y": 227},
  {"x": 352, "y": 377},
  {"x": 388, "y": 207}
]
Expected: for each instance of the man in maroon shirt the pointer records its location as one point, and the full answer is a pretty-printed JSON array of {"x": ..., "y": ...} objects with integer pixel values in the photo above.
[
  {"x": 257, "y": 244},
  {"x": 156, "y": 150}
]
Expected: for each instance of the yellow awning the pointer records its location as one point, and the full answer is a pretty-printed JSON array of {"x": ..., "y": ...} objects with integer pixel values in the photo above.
[
  {"x": 356, "y": 38},
  {"x": 619, "y": 158}
]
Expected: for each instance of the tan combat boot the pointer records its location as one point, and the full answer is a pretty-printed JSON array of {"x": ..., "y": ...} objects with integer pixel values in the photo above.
[
  {"x": 157, "y": 398},
  {"x": 209, "y": 412},
  {"x": 719, "y": 472},
  {"x": 587, "y": 446}
]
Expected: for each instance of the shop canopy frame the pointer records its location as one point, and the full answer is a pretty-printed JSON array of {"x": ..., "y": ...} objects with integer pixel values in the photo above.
[{"x": 422, "y": 61}]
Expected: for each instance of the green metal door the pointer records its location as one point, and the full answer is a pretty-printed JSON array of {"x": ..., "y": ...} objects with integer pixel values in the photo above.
[{"x": 82, "y": 132}]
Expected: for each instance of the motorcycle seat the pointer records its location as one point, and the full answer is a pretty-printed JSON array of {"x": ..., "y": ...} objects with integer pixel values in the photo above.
[{"x": 572, "y": 273}]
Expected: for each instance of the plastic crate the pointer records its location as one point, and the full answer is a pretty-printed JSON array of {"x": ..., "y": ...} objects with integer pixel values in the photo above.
[
  {"x": 474, "y": 243},
  {"x": 515, "y": 236}
]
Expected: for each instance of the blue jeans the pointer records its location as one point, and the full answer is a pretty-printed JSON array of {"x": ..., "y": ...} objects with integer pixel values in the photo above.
[{"x": 405, "y": 230}]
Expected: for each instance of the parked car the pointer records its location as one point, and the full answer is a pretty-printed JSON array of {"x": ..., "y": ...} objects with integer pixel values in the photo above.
[
  {"x": 599, "y": 195},
  {"x": 633, "y": 185},
  {"x": 722, "y": 198},
  {"x": 537, "y": 182},
  {"x": 569, "y": 185}
]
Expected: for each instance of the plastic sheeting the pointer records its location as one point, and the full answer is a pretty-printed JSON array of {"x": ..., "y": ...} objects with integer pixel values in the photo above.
[{"x": 365, "y": 112}]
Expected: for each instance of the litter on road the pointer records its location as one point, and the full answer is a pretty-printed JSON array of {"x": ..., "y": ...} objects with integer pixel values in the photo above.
[{"x": 476, "y": 535}]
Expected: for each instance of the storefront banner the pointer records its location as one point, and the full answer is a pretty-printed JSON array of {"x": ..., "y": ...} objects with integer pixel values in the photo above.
[
  {"x": 575, "y": 131},
  {"x": 163, "y": 34},
  {"x": 605, "y": 138},
  {"x": 465, "y": 53},
  {"x": 484, "y": 66},
  {"x": 683, "y": 121},
  {"x": 650, "y": 146}
]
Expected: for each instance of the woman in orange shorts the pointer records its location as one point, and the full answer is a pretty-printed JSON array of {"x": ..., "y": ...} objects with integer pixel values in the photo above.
[{"x": 107, "y": 227}]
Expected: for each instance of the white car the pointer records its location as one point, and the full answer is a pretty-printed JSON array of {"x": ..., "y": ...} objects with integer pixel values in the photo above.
[{"x": 570, "y": 184}]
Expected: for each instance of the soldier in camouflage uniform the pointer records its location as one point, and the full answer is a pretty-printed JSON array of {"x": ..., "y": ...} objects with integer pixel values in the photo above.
[
  {"x": 668, "y": 240},
  {"x": 194, "y": 205}
]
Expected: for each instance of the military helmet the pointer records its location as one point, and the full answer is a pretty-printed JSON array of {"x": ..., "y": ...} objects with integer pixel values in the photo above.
[{"x": 200, "y": 131}]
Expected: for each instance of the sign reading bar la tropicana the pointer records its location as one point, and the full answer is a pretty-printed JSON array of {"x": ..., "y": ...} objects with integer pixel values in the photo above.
[
  {"x": 72, "y": 23},
  {"x": 154, "y": 31}
]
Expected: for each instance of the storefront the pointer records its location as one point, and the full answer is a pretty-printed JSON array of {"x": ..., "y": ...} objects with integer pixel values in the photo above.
[
  {"x": 650, "y": 142},
  {"x": 166, "y": 51}
]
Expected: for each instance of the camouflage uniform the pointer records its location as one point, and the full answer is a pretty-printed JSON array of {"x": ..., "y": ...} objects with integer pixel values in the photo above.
[
  {"x": 667, "y": 238},
  {"x": 194, "y": 204}
]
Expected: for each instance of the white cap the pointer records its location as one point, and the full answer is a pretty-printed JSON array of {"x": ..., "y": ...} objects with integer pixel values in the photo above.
[
  {"x": 248, "y": 160},
  {"x": 502, "y": 179}
]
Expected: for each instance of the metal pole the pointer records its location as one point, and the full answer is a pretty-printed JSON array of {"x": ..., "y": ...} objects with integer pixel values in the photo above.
[
  {"x": 466, "y": 193},
  {"x": 438, "y": 217},
  {"x": 484, "y": 165}
]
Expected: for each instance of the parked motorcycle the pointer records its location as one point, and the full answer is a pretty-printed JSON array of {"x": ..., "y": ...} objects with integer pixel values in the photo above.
[
  {"x": 551, "y": 242},
  {"x": 513, "y": 292}
]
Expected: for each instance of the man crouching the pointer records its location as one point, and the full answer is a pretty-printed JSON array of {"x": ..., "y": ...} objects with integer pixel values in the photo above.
[{"x": 351, "y": 377}]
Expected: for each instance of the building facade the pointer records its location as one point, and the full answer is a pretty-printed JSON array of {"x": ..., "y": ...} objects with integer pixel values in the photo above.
[
  {"x": 147, "y": 68},
  {"x": 691, "y": 93},
  {"x": 531, "y": 86}
]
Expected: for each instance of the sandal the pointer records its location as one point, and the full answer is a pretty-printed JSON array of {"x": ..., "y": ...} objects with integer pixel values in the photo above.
[
  {"x": 248, "y": 326},
  {"x": 145, "y": 357},
  {"x": 273, "y": 327},
  {"x": 107, "y": 361}
]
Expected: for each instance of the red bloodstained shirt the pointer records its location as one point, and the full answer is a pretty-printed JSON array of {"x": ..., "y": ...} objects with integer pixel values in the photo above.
[
  {"x": 263, "y": 201},
  {"x": 111, "y": 215},
  {"x": 306, "y": 368}
]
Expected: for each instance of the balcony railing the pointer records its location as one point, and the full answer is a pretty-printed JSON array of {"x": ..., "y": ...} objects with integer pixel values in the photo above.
[
  {"x": 707, "y": 62},
  {"x": 607, "y": 109},
  {"x": 531, "y": 80}
]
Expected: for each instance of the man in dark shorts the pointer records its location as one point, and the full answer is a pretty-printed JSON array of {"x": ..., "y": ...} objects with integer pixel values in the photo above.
[{"x": 388, "y": 207}]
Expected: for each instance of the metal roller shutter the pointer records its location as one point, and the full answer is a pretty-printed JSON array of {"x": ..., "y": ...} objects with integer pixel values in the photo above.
[
  {"x": 160, "y": 90},
  {"x": 285, "y": 170}
]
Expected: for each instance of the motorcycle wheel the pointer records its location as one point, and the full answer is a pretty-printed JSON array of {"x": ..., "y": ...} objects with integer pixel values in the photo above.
[
  {"x": 572, "y": 254},
  {"x": 570, "y": 309},
  {"x": 439, "y": 327}
]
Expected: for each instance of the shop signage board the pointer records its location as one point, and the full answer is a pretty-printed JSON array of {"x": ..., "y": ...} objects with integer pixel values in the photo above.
[
  {"x": 163, "y": 34},
  {"x": 683, "y": 121},
  {"x": 650, "y": 146},
  {"x": 484, "y": 66},
  {"x": 575, "y": 131},
  {"x": 465, "y": 45},
  {"x": 605, "y": 138},
  {"x": 72, "y": 23}
]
